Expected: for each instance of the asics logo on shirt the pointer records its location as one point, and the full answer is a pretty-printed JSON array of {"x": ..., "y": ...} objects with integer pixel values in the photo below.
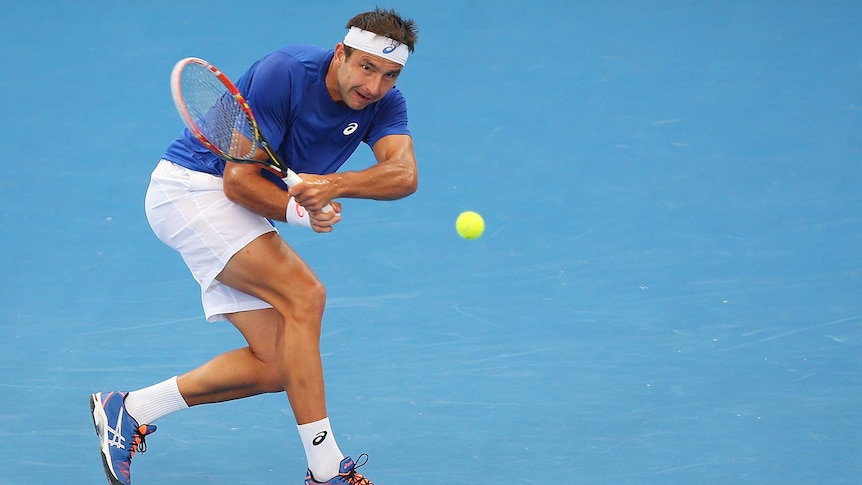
[
  {"x": 350, "y": 129},
  {"x": 318, "y": 439}
]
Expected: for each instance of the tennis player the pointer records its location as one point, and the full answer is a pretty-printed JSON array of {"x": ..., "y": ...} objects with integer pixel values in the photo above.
[{"x": 315, "y": 106}]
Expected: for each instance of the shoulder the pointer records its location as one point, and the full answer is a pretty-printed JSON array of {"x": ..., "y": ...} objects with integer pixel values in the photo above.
[
  {"x": 393, "y": 102},
  {"x": 296, "y": 60},
  {"x": 389, "y": 117},
  {"x": 306, "y": 53},
  {"x": 293, "y": 66}
]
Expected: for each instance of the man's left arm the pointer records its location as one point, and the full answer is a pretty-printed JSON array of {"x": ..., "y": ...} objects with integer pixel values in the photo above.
[{"x": 393, "y": 176}]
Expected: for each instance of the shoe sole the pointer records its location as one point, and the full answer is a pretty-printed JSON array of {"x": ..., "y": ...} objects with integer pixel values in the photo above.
[{"x": 100, "y": 422}]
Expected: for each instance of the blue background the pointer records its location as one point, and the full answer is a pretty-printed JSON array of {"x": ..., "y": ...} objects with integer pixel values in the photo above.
[{"x": 667, "y": 292}]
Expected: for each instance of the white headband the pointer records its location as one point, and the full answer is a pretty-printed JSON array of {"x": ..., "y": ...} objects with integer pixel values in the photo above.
[{"x": 376, "y": 44}]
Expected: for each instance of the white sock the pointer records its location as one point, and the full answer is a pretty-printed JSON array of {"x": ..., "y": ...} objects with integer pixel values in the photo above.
[
  {"x": 321, "y": 450},
  {"x": 151, "y": 403}
]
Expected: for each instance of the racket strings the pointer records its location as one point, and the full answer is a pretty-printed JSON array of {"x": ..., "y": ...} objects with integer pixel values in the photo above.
[{"x": 219, "y": 116}]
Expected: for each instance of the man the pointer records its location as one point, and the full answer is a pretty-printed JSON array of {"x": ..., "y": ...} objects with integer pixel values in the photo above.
[{"x": 314, "y": 106}]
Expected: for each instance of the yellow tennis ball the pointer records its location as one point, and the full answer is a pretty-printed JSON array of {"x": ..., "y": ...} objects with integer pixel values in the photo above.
[{"x": 470, "y": 225}]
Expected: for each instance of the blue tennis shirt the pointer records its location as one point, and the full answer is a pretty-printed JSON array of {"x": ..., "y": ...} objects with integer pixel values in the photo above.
[{"x": 308, "y": 130}]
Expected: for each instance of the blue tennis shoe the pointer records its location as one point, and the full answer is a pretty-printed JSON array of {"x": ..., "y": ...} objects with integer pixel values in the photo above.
[
  {"x": 346, "y": 474},
  {"x": 119, "y": 434}
]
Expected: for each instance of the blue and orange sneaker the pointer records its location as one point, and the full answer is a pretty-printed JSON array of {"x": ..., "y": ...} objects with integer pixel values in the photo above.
[
  {"x": 120, "y": 442},
  {"x": 346, "y": 474}
]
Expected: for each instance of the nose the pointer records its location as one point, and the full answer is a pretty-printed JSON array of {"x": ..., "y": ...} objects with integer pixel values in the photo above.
[{"x": 374, "y": 86}]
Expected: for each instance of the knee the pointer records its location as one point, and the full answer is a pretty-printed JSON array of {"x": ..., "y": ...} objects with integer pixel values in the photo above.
[
  {"x": 268, "y": 376},
  {"x": 299, "y": 296},
  {"x": 272, "y": 382},
  {"x": 317, "y": 298},
  {"x": 310, "y": 302}
]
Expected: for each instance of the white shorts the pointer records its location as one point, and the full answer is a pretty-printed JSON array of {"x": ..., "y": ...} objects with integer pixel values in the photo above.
[{"x": 189, "y": 212}]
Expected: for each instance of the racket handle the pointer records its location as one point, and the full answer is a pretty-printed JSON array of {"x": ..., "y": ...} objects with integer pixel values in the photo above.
[{"x": 292, "y": 179}]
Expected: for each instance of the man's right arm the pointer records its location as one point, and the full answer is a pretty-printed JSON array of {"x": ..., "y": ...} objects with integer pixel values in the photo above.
[{"x": 246, "y": 186}]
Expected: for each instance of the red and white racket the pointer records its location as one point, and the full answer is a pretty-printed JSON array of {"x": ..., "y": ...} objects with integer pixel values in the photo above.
[{"x": 220, "y": 118}]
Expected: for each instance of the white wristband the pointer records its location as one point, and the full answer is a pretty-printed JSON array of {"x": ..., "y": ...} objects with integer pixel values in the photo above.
[{"x": 297, "y": 215}]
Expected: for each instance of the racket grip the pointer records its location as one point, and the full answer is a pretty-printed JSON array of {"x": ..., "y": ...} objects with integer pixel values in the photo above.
[{"x": 292, "y": 179}]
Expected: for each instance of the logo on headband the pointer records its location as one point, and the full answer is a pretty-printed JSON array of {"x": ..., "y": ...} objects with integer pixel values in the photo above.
[
  {"x": 390, "y": 48},
  {"x": 376, "y": 44}
]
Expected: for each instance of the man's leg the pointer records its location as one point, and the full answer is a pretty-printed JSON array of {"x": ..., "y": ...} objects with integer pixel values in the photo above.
[
  {"x": 271, "y": 270},
  {"x": 242, "y": 372}
]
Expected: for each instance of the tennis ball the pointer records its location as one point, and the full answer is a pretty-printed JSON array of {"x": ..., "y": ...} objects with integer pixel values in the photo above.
[{"x": 470, "y": 225}]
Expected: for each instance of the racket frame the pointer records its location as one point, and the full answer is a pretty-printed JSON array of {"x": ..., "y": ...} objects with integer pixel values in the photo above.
[{"x": 273, "y": 164}]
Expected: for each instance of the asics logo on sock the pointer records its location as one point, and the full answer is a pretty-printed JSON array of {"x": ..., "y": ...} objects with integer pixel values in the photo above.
[{"x": 319, "y": 438}]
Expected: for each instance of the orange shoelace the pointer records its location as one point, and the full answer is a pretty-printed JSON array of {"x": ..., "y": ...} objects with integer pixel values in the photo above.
[{"x": 354, "y": 478}]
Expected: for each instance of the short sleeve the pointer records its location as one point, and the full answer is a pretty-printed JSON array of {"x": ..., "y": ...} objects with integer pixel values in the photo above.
[
  {"x": 268, "y": 91},
  {"x": 390, "y": 119}
]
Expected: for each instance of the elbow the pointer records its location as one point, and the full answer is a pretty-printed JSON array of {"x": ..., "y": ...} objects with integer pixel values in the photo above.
[
  {"x": 232, "y": 189},
  {"x": 409, "y": 183}
]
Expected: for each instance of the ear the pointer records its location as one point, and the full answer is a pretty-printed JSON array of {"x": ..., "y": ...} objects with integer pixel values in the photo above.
[{"x": 340, "y": 53}]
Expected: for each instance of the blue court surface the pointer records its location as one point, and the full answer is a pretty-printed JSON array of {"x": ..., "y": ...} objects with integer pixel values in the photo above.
[{"x": 669, "y": 290}]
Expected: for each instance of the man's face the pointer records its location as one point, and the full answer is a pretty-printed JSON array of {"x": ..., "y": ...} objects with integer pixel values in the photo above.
[{"x": 363, "y": 78}]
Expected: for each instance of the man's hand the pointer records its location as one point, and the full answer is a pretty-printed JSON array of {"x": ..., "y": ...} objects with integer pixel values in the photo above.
[
  {"x": 314, "y": 192},
  {"x": 323, "y": 221}
]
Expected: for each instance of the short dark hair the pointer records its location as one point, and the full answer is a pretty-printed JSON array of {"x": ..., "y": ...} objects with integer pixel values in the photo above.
[{"x": 388, "y": 24}]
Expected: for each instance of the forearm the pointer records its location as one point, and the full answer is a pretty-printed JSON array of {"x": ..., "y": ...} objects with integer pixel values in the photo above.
[
  {"x": 244, "y": 185},
  {"x": 386, "y": 181}
]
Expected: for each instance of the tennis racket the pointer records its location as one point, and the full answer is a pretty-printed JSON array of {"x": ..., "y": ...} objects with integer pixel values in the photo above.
[{"x": 220, "y": 118}]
